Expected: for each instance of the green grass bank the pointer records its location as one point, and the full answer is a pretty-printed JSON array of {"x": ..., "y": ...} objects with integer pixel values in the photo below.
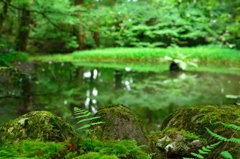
[{"x": 201, "y": 55}]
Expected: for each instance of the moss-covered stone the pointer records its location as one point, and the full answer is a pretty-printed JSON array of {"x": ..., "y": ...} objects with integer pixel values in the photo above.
[
  {"x": 38, "y": 126},
  {"x": 171, "y": 143},
  {"x": 195, "y": 120},
  {"x": 120, "y": 123}
]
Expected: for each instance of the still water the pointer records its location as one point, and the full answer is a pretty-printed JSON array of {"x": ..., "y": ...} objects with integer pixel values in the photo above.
[{"x": 152, "y": 95}]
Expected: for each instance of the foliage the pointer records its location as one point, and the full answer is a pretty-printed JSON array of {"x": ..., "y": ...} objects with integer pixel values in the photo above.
[
  {"x": 123, "y": 148},
  {"x": 79, "y": 113},
  {"x": 147, "y": 23},
  {"x": 205, "y": 150},
  {"x": 87, "y": 148},
  {"x": 95, "y": 155},
  {"x": 28, "y": 148},
  {"x": 201, "y": 54},
  {"x": 225, "y": 154},
  {"x": 6, "y": 57},
  {"x": 180, "y": 59}
]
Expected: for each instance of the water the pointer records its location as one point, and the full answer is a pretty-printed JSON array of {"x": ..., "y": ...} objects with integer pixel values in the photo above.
[{"x": 152, "y": 95}]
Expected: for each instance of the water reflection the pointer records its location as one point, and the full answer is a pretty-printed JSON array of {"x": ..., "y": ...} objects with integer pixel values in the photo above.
[{"x": 151, "y": 95}]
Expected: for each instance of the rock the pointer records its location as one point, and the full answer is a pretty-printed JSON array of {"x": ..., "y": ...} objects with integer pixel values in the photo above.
[
  {"x": 120, "y": 123},
  {"x": 175, "y": 67},
  {"x": 175, "y": 144},
  {"x": 38, "y": 126},
  {"x": 195, "y": 120}
]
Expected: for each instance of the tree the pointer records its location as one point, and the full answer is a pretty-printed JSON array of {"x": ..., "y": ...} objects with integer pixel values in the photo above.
[
  {"x": 3, "y": 14},
  {"x": 78, "y": 29},
  {"x": 24, "y": 27}
]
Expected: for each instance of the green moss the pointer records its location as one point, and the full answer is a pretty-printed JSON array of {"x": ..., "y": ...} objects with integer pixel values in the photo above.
[
  {"x": 121, "y": 149},
  {"x": 96, "y": 155},
  {"x": 196, "y": 119},
  {"x": 29, "y": 148},
  {"x": 40, "y": 126},
  {"x": 108, "y": 115}
]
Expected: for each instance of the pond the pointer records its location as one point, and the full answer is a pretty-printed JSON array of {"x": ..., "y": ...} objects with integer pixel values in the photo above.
[{"x": 152, "y": 95}]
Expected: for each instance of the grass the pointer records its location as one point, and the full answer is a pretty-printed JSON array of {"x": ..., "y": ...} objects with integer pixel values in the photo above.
[
  {"x": 206, "y": 54},
  {"x": 208, "y": 58},
  {"x": 203, "y": 54}
]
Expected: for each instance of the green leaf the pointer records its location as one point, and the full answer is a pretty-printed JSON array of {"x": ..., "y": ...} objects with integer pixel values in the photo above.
[
  {"x": 85, "y": 126},
  {"x": 183, "y": 65},
  {"x": 234, "y": 126},
  {"x": 88, "y": 119},
  {"x": 197, "y": 155},
  {"x": 226, "y": 154},
  {"x": 86, "y": 115},
  {"x": 202, "y": 152},
  {"x": 205, "y": 149},
  {"x": 97, "y": 123}
]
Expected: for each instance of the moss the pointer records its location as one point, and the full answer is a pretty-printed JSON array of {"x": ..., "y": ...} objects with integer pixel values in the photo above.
[
  {"x": 96, "y": 155},
  {"x": 40, "y": 126},
  {"x": 196, "y": 119},
  {"x": 109, "y": 114}
]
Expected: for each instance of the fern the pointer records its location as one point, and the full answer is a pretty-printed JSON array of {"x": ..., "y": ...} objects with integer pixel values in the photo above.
[
  {"x": 233, "y": 126},
  {"x": 216, "y": 135},
  {"x": 225, "y": 154},
  {"x": 85, "y": 114},
  {"x": 204, "y": 150},
  {"x": 234, "y": 140}
]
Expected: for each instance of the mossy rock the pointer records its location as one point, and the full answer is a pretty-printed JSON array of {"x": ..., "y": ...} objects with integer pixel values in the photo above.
[
  {"x": 38, "y": 126},
  {"x": 214, "y": 117},
  {"x": 171, "y": 143},
  {"x": 119, "y": 123}
]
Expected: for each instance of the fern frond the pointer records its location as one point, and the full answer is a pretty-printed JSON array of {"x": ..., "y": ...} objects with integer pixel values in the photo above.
[
  {"x": 197, "y": 155},
  {"x": 234, "y": 126},
  {"x": 88, "y": 125},
  {"x": 202, "y": 152},
  {"x": 85, "y": 126},
  {"x": 205, "y": 149},
  {"x": 83, "y": 114},
  {"x": 87, "y": 119},
  {"x": 100, "y": 122},
  {"x": 237, "y": 141},
  {"x": 214, "y": 145},
  {"x": 217, "y": 136}
]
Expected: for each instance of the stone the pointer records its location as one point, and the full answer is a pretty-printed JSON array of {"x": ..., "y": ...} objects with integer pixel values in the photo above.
[
  {"x": 195, "y": 120},
  {"x": 119, "y": 123},
  {"x": 175, "y": 145},
  {"x": 38, "y": 126}
]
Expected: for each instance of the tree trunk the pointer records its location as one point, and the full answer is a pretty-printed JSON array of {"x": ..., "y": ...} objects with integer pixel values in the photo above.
[
  {"x": 3, "y": 14},
  {"x": 23, "y": 30},
  {"x": 96, "y": 37},
  {"x": 79, "y": 30}
]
